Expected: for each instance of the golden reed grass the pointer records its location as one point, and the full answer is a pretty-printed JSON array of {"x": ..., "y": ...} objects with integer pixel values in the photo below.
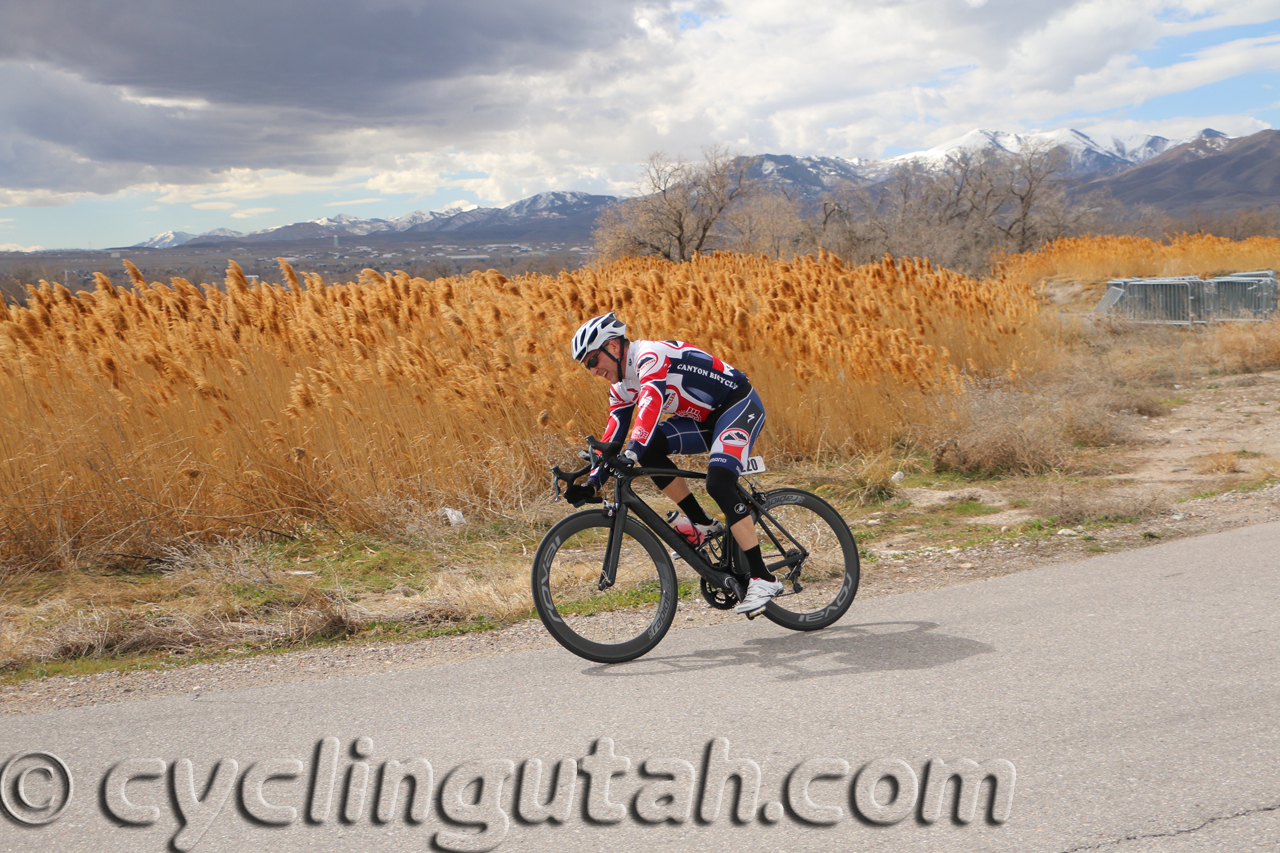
[
  {"x": 1099, "y": 258},
  {"x": 137, "y": 416}
]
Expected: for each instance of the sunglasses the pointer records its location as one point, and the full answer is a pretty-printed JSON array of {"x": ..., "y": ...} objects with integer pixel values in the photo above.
[{"x": 593, "y": 360}]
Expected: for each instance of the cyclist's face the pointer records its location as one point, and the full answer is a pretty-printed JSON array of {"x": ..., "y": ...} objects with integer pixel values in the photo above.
[{"x": 601, "y": 362}]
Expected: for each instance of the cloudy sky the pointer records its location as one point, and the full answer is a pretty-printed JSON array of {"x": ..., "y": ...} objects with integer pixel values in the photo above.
[{"x": 120, "y": 120}]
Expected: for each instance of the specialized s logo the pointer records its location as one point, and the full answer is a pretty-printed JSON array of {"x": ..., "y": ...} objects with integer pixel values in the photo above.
[{"x": 735, "y": 438}]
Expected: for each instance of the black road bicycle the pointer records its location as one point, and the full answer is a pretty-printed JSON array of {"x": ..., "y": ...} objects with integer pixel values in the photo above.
[{"x": 605, "y": 586}]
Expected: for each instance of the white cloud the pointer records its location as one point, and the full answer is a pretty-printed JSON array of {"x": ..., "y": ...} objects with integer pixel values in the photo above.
[
  {"x": 244, "y": 184},
  {"x": 356, "y": 201},
  {"x": 37, "y": 198},
  {"x": 570, "y": 96},
  {"x": 252, "y": 211}
]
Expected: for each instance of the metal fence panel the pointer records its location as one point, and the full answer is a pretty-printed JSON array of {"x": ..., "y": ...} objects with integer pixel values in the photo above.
[
  {"x": 1243, "y": 298},
  {"x": 1183, "y": 300}
]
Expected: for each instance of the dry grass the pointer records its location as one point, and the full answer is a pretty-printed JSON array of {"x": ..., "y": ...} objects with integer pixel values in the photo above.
[
  {"x": 1100, "y": 258},
  {"x": 1073, "y": 504},
  {"x": 171, "y": 412},
  {"x": 1221, "y": 462},
  {"x": 1004, "y": 431},
  {"x": 1245, "y": 347},
  {"x": 244, "y": 596}
]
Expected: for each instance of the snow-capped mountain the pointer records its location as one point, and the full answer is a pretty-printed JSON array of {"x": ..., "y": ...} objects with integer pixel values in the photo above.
[
  {"x": 426, "y": 217},
  {"x": 170, "y": 239},
  {"x": 1086, "y": 156},
  {"x": 809, "y": 176},
  {"x": 542, "y": 212},
  {"x": 1210, "y": 173},
  {"x": 167, "y": 240}
]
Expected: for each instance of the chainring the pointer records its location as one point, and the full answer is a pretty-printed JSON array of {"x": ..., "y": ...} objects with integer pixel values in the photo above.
[{"x": 720, "y": 599}]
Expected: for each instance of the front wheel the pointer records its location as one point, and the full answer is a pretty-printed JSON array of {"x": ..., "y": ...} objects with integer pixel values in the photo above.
[
  {"x": 620, "y": 623},
  {"x": 808, "y": 546}
]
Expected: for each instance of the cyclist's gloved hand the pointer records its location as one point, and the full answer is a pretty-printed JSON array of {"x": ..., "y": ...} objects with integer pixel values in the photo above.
[
  {"x": 579, "y": 495},
  {"x": 623, "y": 462}
]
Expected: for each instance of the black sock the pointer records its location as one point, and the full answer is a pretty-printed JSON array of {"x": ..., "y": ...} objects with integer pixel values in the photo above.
[
  {"x": 693, "y": 510},
  {"x": 755, "y": 563}
]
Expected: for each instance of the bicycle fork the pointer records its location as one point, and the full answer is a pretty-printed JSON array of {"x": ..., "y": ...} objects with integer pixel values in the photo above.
[{"x": 609, "y": 571}]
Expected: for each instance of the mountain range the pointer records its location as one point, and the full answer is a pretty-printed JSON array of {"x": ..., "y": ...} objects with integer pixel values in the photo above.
[
  {"x": 1210, "y": 171},
  {"x": 551, "y": 216}
]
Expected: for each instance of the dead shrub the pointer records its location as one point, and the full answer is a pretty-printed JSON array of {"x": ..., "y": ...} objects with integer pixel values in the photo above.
[
  {"x": 1072, "y": 505},
  {"x": 1087, "y": 424},
  {"x": 869, "y": 479},
  {"x": 1004, "y": 431},
  {"x": 1098, "y": 409},
  {"x": 1245, "y": 347},
  {"x": 1222, "y": 462},
  {"x": 320, "y": 614}
]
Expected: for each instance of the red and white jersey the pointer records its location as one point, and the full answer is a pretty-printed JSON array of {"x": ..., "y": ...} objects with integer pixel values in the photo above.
[{"x": 667, "y": 378}]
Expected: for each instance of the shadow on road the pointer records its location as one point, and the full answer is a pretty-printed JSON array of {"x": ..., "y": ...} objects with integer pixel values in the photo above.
[{"x": 840, "y": 650}]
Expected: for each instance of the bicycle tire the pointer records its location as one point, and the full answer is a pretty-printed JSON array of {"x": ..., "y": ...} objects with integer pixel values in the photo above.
[
  {"x": 828, "y": 576},
  {"x": 616, "y": 625}
]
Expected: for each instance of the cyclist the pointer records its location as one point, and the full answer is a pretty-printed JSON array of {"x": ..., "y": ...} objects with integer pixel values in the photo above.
[{"x": 713, "y": 409}]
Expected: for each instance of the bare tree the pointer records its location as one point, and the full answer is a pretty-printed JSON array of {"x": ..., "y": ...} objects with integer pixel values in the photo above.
[
  {"x": 679, "y": 208},
  {"x": 957, "y": 214},
  {"x": 766, "y": 222}
]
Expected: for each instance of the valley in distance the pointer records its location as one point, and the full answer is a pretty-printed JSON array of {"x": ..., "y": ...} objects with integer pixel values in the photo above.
[{"x": 424, "y": 258}]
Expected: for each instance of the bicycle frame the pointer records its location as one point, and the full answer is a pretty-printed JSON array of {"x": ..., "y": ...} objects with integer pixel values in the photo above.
[{"x": 625, "y": 500}]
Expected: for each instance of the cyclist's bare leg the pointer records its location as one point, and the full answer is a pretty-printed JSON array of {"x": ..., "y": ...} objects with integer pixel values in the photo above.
[
  {"x": 677, "y": 489},
  {"x": 744, "y": 533}
]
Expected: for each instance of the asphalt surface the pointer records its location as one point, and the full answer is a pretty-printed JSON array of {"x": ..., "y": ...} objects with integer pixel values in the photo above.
[{"x": 1128, "y": 703}]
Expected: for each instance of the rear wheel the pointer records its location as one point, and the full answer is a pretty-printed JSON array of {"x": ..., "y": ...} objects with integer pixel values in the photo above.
[
  {"x": 617, "y": 624},
  {"x": 809, "y": 548}
]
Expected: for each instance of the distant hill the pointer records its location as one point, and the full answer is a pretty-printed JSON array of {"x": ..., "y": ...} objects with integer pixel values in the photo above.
[{"x": 1211, "y": 173}]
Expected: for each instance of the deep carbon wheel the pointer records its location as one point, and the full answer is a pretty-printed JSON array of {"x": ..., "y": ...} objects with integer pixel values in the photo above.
[
  {"x": 819, "y": 587},
  {"x": 620, "y": 623}
]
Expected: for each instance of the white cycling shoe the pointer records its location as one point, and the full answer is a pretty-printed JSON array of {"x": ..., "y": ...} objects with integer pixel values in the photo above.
[{"x": 759, "y": 593}]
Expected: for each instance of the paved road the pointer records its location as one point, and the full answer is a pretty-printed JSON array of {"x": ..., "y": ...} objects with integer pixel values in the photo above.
[{"x": 1136, "y": 696}]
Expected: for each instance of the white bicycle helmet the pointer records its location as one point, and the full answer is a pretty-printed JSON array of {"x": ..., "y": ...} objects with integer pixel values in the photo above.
[{"x": 592, "y": 334}]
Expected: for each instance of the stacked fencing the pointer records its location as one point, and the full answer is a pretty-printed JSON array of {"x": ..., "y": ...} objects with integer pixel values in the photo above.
[{"x": 1186, "y": 300}]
